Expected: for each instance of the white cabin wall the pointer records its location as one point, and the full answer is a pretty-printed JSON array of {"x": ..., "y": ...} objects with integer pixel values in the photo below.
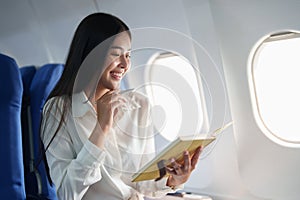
[
  {"x": 268, "y": 170},
  {"x": 217, "y": 173},
  {"x": 37, "y": 32},
  {"x": 140, "y": 14}
]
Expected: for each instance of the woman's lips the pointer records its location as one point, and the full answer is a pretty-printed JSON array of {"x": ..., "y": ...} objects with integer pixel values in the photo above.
[{"x": 116, "y": 75}]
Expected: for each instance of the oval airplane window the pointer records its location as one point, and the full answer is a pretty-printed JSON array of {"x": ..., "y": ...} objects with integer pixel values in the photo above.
[
  {"x": 174, "y": 95},
  {"x": 275, "y": 70}
]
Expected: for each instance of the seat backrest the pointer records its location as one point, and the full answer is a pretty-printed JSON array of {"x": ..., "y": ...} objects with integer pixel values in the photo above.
[
  {"x": 11, "y": 159},
  {"x": 42, "y": 84},
  {"x": 27, "y": 74},
  {"x": 33, "y": 186},
  {"x": 36, "y": 92}
]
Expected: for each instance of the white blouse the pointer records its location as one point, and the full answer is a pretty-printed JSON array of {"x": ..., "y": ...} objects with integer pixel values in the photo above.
[{"x": 81, "y": 170}]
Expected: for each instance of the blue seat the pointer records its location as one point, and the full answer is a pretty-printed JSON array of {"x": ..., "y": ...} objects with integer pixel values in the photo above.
[
  {"x": 27, "y": 74},
  {"x": 42, "y": 83},
  {"x": 33, "y": 185},
  {"x": 11, "y": 159}
]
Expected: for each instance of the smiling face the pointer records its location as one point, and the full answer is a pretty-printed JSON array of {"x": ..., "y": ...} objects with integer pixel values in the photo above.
[{"x": 116, "y": 64}]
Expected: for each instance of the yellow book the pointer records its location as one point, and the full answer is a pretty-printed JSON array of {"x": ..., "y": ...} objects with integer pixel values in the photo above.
[{"x": 152, "y": 170}]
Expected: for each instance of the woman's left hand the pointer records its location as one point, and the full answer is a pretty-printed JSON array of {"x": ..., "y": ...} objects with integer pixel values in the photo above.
[{"x": 179, "y": 174}]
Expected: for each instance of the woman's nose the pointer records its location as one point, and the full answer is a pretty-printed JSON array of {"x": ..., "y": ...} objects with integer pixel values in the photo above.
[{"x": 125, "y": 62}]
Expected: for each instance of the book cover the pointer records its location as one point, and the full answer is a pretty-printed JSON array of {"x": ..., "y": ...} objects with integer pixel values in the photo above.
[{"x": 174, "y": 150}]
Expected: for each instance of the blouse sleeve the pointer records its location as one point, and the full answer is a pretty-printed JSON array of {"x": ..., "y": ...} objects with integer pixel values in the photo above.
[{"x": 72, "y": 174}]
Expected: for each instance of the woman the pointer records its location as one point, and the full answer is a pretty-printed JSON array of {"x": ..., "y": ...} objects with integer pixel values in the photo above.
[{"x": 91, "y": 145}]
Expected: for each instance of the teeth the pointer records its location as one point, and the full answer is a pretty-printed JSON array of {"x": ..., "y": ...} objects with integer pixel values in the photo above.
[{"x": 116, "y": 74}]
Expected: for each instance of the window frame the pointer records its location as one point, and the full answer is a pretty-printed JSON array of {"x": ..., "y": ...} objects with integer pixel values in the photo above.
[
  {"x": 252, "y": 61},
  {"x": 148, "y": 74}
]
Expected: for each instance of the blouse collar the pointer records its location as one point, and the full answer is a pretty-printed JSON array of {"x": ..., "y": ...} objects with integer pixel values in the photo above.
[{"x": 81, "y": 105}]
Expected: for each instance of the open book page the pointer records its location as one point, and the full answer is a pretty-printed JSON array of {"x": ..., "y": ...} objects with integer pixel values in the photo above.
[{"x": 175, "y": 150}]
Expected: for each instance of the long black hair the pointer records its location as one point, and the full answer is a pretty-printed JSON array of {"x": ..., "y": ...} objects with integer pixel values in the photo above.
[{"x": 93, "y": 30}]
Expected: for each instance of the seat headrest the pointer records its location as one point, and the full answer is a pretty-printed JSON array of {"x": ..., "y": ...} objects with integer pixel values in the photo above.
[
  {"x": 11, "y": 87},
  {"x": 12, "y": 170}
]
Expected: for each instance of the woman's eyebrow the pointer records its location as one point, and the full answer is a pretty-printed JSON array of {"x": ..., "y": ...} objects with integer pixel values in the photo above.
[{"x": 118, "y": 47}]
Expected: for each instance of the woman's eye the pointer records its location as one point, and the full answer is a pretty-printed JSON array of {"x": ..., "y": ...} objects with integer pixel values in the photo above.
[{"x": 115, "y": 54}]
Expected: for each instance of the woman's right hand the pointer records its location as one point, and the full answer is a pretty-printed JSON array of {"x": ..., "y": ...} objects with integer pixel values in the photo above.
[{"x": 107, "y": 108}]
